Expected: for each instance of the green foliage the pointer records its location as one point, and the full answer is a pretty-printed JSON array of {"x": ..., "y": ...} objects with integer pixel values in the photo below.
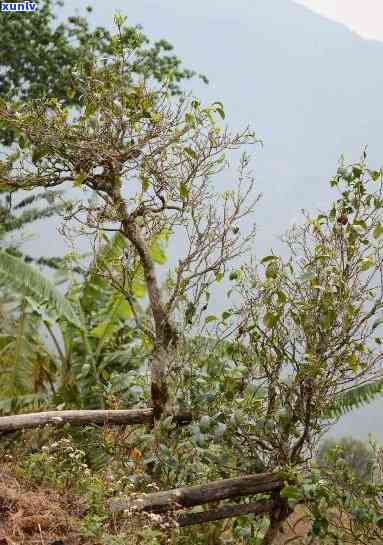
[
  {"x": 17, "y": 216},
  {"x": 304, "y": 313},
  {"x": 96, "y": 348},
  {"x": 356, "y": 454},
  {"x": 21, "y": 215},
  {"x": 40, "y": 57},
  {"x": 28, "y": 71},
  {"x": 355, "y": 398},
  {"x": 24, "y": 361},
  {"x": 343, "y": 508},
  {"x": 59, "y": 465}
]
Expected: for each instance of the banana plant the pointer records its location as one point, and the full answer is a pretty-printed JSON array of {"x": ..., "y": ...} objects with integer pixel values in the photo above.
[
  {"x": 26, "y": 366},
  {"x": 83, "y": 345}
]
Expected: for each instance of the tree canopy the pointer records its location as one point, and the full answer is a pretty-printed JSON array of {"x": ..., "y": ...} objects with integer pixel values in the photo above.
[{"x": 40, "y": 55}]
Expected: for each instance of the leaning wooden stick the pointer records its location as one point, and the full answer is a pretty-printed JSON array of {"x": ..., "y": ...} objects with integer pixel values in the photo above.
[
  {"x": 160, "y": 502},
  {"x": 226, "y": 511},
  {"x": 98, "y": 417}
]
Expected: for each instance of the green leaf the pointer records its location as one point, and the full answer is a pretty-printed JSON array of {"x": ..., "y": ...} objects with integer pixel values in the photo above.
[
  {"x": 218, "y": 276},
  {"x": 291, "y": 492},
  {"x": 357, "y": 171},
  {"x": 268, "y": 258},
  {"x": 116, "y": 310},
  {"x": 23, "y": 142},
  {"x": 195, "y": 103},
  {"x": 366, "y": 263},
  {"x": 71, "y": 92},
  {"x": 271, "y": 270},
  {"x": 270, "y": 319},
  {"x": 119, "y": 19},
  {"x": 157, "y": 253},
  {"x": 118, "y": 307},
  {"x": 375, "y": 175},
  {"x": 138, "y": 284},
  {"x": 79, "y": 179},
  {"x": 21, "y": 278},
  {"x": 156, "y": 250},
  {"x": 155, "y": 117},
  {"x": 234, "y": 275},
  {"x": 124, "y": 309},
  {"x": 308, "y": 276},
  {"x": 101, "y": 329},
  {"x": 184, "y": 191},
  {"x": 191, "y": 152},
  {"x": 378, "y": 231},
  {"x": 317, "y": 527},
  {"x": 90, "y": 109},
  {"x": 219, "y": 109},
  {"x": 360, "y": 223},
  {"x": 145, "y": 182},
  {"x": 5, "y": 340},
  {"x": 109, "y": 254},
  {"x": 211, "y": 318},
  {"x": 190, "y": 120},
  {"x": 355, "y": 398},
  {"x": 39, "y": 153}
]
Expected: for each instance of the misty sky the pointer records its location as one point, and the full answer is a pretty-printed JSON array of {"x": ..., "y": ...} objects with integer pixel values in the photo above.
[{"x": 363, "y": 16}]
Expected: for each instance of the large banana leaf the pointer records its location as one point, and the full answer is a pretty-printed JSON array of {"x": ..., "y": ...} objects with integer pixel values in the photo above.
[{"x": 23, "y": 279}]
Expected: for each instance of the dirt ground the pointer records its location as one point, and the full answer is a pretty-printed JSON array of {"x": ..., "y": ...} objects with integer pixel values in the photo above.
[
  {"x": 29, "y": 516},
  {"x": 36, "y": 516}
]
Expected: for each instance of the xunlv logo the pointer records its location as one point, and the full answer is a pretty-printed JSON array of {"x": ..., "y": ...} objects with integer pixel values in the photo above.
[{"x": 18, "y": 6}]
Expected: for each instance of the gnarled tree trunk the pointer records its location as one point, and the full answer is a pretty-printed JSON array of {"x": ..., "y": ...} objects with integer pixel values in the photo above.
[{"x": 165, "y": 333}]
